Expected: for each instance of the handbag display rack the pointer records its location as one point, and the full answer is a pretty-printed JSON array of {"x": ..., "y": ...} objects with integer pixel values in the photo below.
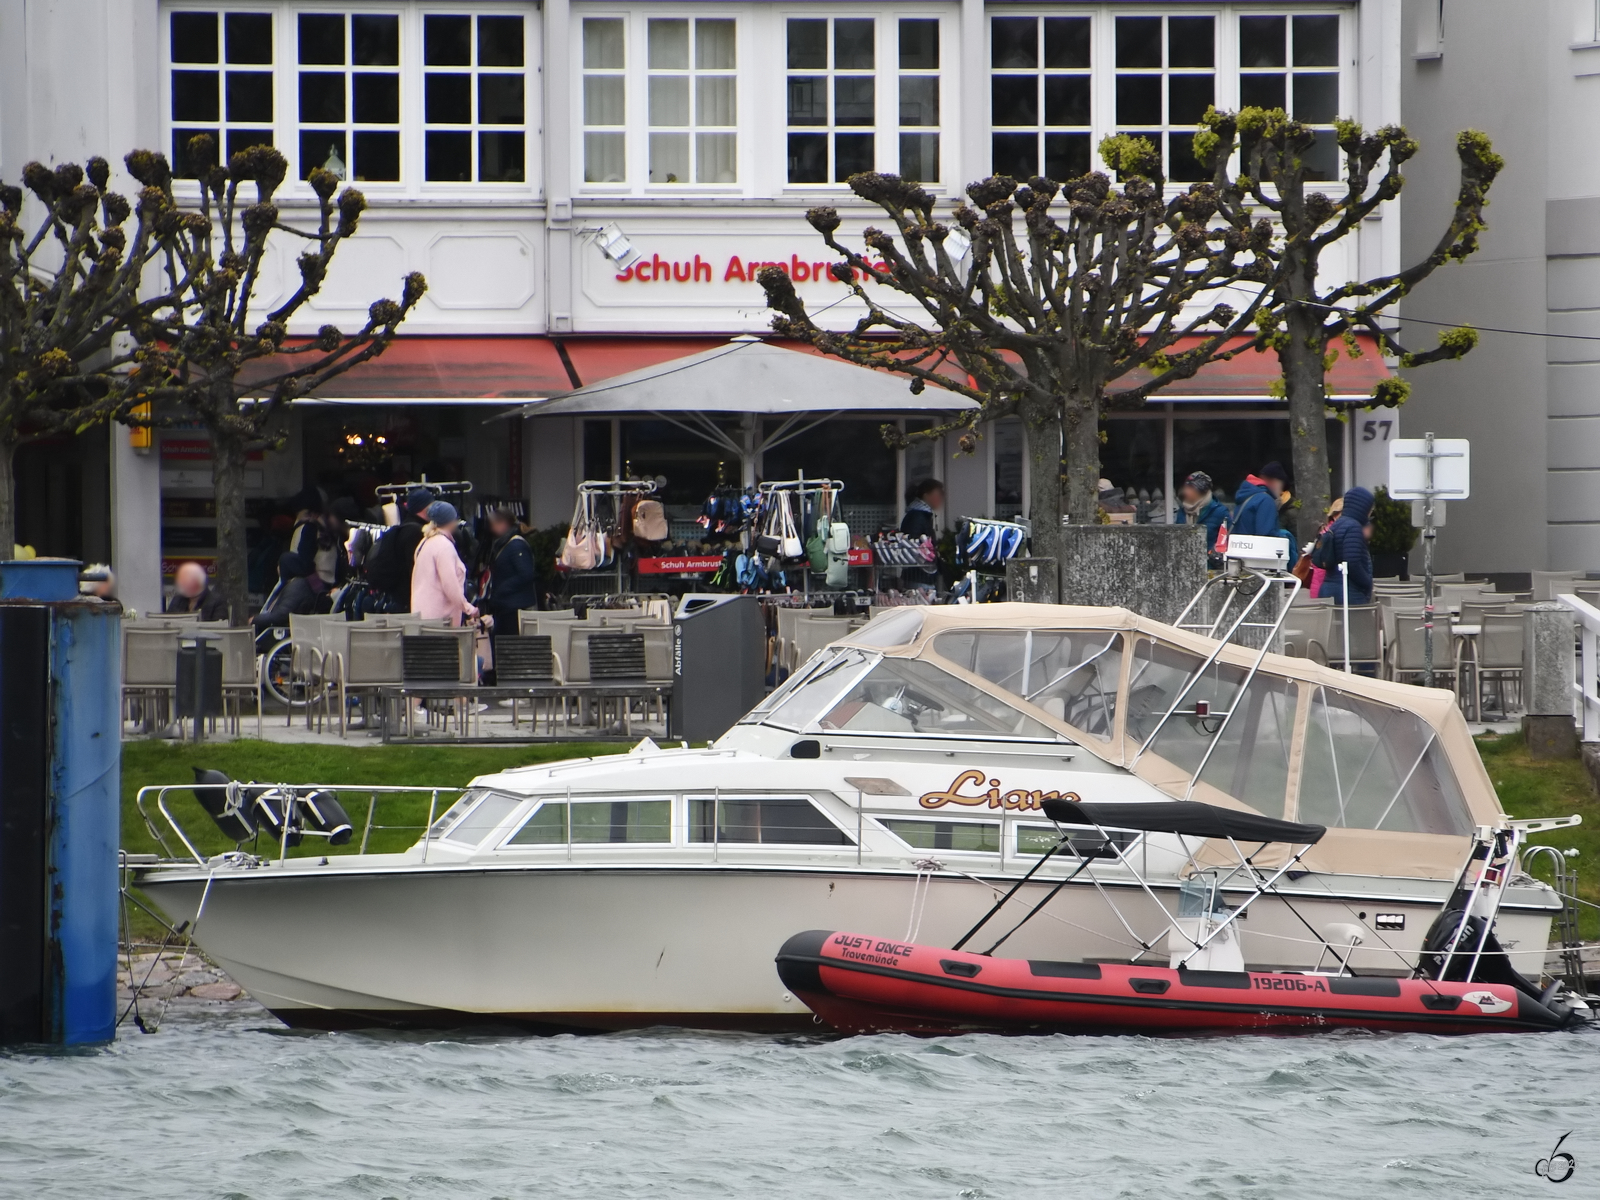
[
  {"x": 779, "y": 535},
  {"x": 591, "y": 544}
]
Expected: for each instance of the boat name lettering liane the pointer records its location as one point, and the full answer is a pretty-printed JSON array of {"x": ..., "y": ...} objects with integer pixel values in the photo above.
[{"x": 1016, "y": 800}]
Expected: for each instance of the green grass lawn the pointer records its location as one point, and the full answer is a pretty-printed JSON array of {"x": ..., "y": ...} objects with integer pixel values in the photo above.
[
  {"x": 1551, "y": 789},
  {"x": 146, "y": 763}
]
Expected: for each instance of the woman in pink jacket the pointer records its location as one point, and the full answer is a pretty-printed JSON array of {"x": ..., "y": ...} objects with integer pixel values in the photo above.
[{"x": 438, "y": 572}]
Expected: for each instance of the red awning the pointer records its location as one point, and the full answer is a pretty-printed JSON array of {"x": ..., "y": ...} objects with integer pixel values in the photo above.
[
  {"x": 1253, "y": 374},
  {"x": 598, "y": 358},
  {"x": 419, "y": 369},
  {"x": 445, "y": 369}
]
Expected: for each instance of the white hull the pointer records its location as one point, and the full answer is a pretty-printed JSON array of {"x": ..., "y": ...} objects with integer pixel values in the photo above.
[{"x": 604, "y": 948}]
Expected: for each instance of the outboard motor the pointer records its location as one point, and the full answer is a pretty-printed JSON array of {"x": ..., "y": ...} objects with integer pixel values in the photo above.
[
  {"x": 326, "y": 815},
  {"x": 1493, "y": 964},
  {"x": 273, "y": 810},
  {"x": 223, "y": 805}
]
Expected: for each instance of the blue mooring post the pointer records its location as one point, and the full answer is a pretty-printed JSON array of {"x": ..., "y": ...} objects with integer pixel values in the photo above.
[{"x": 60, "y": 797}]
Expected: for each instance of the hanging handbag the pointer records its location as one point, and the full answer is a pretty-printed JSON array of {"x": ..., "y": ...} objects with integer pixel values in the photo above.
[
  {"x": 770, "y": 538},
  {"x": 650, "y": 521},
  {"x": 581, "y": 550},
  {"x": 790, "y": 549},
  {"x": 817, "y": 543},
  {"x": 838, "y": 555}
]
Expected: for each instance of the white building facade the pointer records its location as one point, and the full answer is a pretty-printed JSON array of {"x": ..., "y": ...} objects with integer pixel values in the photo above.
[{"x": 492, "y": 139}]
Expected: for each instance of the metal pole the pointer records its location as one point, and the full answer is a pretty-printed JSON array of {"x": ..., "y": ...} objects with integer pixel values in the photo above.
[
  {"x": 1427, "y": 562},
  {"x": 1344, "y": 571}
]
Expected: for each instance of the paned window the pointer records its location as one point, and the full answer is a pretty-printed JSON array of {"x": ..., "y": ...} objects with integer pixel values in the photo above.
[
  {"x": 692, "y": 100},
  {"x": 1073, "y": 676},
  {"x": 605, "y": 96},
  {"x": 1165, "y": 81},
  {"x": 474, "y": 108},
  {"x": 919, "y": 99},
  {"x": 221, "y": 82},
  {"x": 1293, "y": 63},
  {"x": 349, "y": 102},
  {"x": 1082, "y": 841},
  {"x": 832, "y": 98},
  {"x": 1040, "y": 96}
]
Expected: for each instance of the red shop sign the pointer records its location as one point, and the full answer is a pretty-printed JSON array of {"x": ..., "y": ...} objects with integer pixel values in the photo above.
[{"x": 694, "y": 564}]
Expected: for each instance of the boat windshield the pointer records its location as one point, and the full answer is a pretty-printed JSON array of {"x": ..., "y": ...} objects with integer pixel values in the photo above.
[
  {"x": 808, "y": 694},
  {"x": 909, "y": 696}
]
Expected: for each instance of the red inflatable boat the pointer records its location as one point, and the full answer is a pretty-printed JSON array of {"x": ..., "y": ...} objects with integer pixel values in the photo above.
[{"x": 861, "y": 984}]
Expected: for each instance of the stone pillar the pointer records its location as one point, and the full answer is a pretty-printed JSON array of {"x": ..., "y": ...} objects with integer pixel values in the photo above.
[
  {"x": 1033, "y": 580},
  {"x": 1548, "y": 673},
  {"x": 1155, "y": 570},
  {"x": 136, "y": 523}
]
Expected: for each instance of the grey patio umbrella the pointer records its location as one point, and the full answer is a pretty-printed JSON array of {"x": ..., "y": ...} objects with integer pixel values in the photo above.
[{"x": 752, "y": 379}]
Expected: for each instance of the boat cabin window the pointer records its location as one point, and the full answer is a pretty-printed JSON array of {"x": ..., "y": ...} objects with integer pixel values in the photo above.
[
  {"x": 596, "y": 821},
  {"x": 1250, "y": 760},
  {"x": 908, "y": 696},
  {"x": 788, "y": 687},
  {"x": 1371, "y": 766},
  {"x": 1084, "y": 842},
  {"x": 478, "y": 822},
  {"x": 764, "y": 820},
  {"x": 980, "y": 836},
  {"x": 799, "y": 705},
  {"x": 1071, "y": 674}
]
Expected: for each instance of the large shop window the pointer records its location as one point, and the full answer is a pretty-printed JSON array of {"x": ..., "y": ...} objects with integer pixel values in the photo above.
[
  {"x": 221, "y": 82},
  {"x": 350, "y": 94},
  {"x": 1370, "y": 766},
  {"x": 1040, "y": 95},
  {"x": 474, "y": 105}
]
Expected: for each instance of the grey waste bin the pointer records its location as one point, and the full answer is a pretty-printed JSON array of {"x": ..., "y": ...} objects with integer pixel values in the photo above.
[{"x": 719, "y": 664}]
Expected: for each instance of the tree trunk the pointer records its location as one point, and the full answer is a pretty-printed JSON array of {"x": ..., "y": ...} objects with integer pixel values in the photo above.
[
  {"x": 8, "y": 498},
  {"x": 227, "y": 481},
  {"x": 1081, "y": 465},
  {"x": 1042, "y": 432},
  {"x": 1304, "y": 381}
]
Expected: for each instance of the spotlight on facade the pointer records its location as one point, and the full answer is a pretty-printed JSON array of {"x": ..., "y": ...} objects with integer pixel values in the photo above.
[{"x": 614, "y": 244}]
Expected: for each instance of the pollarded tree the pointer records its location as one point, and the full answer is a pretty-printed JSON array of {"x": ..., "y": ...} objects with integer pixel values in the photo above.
[
  {"x": 1070, "y": 289},
  {"x": 1308, "y": 318},
  {"x": 234, "y": 376},
  {"x": 69, "y": 307}
]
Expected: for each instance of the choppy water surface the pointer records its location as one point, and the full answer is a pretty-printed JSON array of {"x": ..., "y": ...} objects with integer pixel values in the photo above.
[{"x": 232, "y": 1105}]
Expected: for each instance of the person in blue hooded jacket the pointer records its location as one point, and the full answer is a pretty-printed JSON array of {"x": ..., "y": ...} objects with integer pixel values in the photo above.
[
  {"x": 1346, "y": 543},
  {"x": 1257, "y": 497}
]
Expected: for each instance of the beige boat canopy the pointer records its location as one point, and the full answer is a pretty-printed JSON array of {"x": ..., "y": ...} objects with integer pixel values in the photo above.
[{"x": 1390, "y": 769}]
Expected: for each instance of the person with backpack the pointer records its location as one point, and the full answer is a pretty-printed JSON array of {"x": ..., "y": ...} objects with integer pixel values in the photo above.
[
  {"x": 513, "y": 579},
  {"x": 390, "y": 563},
  {"x": 1346, "y": 542},
  {"x": 1258, "y": 495}
]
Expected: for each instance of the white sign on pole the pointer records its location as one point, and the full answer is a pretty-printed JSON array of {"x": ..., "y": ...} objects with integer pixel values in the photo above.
[{"x": 1408, "y": 468}]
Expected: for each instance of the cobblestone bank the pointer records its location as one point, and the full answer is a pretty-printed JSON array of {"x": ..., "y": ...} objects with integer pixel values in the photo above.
[{"x": 170, "y": 975}]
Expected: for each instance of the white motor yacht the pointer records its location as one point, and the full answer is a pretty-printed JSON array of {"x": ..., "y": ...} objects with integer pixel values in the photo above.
[{"x": 893, "y": 786}]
